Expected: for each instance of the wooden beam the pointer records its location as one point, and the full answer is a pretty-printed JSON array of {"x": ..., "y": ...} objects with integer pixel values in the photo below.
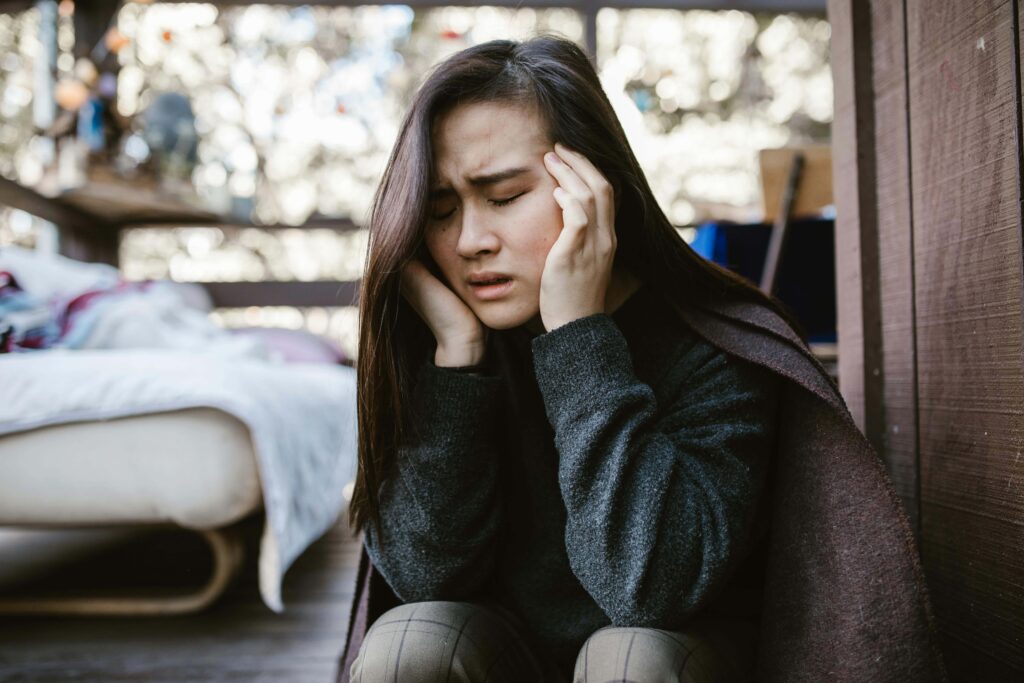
[
  {"x": 83, "y": 235},
  {"x": 317, "y": 223},
  {"x": 244, "y": 294},
  {"x": 589, "y": 11},
  {"x": 12, "y": 6},
  {"x": 895, "y": 256},
  {"x": 964, "y": 98},
  {"x": 853, "y": 161},
  {"x": 70, "y": 211},
  {"x": 780, "y": 227},
  {"x": 18, "y": 196},
  {"x": 91, "y": 20}
]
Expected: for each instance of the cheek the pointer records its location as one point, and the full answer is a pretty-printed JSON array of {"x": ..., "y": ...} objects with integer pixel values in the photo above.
[
  {"x": 441, "y": 249},
  {"x": 433, "y": 243},
  {"x": 548, "y": 226}
]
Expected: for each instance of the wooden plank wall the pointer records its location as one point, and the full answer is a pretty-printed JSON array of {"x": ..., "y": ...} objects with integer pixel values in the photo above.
[
  {"x": 927, "y": 169},
  {"x": 896, "y": 392}
]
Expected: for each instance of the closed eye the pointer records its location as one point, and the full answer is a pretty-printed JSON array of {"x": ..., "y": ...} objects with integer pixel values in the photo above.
[
  {"x": 503, "y": 202},
  {"x": 495, "y": 202}
]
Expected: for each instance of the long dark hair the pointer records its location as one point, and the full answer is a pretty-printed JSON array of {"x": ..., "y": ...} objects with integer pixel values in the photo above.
[{"x": 554, "y": 75}]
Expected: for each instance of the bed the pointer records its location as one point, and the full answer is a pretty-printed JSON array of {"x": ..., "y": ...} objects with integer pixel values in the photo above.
[{"x": 117, "y": 440}]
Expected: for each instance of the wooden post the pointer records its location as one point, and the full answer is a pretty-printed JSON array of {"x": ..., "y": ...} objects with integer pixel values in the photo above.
[{"x": 860, "y": 366}]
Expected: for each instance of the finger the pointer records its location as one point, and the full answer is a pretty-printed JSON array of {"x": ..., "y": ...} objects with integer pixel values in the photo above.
[
  {"x": 568, "y": 179},
  {"x": 574, "y": 217},
  {"x": 583, "y": 167},
  {"x": 414, "y": 272},
  {"x": 600, "y": 188},
  {"x": 417, "y": 282},
  {"x": 408, "y": 279}
]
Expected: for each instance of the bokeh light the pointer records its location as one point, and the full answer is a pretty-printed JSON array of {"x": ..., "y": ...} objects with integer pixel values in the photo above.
[{"x": 296, "y": 110}]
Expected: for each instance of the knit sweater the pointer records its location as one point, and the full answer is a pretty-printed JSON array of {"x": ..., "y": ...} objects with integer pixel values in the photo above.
[{"x": 609, "y": 471}]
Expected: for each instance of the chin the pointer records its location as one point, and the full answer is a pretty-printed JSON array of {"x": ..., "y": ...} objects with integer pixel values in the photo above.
[
  {"x": 499, "y": 322},
  {"x": 495, "y": 318}
]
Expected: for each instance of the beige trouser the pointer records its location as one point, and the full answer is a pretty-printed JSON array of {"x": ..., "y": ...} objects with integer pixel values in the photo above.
[{"x": 428, "y": 642}]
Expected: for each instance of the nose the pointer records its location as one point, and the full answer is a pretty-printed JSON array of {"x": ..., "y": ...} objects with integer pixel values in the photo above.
[{"x": 477, "y": 235}]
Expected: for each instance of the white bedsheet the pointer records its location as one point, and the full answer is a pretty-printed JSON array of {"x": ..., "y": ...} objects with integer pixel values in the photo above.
[{"x": 302, "y": 418}]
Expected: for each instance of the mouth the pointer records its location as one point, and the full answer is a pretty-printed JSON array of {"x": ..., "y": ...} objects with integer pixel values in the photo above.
[{"x": 491, "y": 289}]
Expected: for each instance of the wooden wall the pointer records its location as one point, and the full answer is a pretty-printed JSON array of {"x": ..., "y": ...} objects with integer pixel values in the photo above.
[{"x": 927, "y": 167}]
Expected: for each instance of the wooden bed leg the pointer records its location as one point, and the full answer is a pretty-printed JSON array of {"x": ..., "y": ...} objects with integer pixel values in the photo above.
[{"x": 227, "y": 549}]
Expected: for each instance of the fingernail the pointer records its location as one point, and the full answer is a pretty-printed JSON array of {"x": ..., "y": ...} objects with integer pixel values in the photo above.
[{"x": 553, "y": 158}]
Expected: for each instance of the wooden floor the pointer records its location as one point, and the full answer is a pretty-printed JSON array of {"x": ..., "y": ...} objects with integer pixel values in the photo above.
[{"x": 237, "y": 639}]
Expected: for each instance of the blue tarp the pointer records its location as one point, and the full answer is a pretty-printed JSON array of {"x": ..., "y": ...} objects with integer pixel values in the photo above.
[{"x": 806, "y": 281}]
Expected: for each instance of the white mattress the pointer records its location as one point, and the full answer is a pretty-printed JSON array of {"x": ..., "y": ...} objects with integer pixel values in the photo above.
[
  {"x": 194, "y": 467},
  {"x": 301, "y": 418}
]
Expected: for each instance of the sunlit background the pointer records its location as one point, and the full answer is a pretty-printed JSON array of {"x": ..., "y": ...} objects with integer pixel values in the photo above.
[{"x": 296, "y": 108}]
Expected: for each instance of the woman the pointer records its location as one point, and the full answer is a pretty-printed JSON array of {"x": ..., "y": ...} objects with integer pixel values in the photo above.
[{"x": 559, "y": 479}]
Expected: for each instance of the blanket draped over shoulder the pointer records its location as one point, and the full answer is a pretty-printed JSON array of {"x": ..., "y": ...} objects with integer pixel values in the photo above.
[{"x": 845, "y": 596}]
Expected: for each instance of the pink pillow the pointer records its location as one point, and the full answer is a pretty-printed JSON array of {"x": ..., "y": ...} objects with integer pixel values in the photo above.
[{"x": 297, "y": 346}]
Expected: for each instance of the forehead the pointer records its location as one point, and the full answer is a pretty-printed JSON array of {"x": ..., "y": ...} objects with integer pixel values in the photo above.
[{"x": 480, "y": 137}]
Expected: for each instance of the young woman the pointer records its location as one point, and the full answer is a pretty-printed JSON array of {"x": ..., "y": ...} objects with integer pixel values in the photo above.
[{"x": 558, "y": 479}]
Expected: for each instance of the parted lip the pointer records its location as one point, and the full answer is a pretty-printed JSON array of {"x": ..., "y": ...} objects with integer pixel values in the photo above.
[{"x": 486, "y": 276}]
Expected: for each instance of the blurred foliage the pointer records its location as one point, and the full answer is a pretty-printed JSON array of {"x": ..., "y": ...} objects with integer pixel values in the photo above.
[
  {"x": 297, "y": 109},
  {"x": 699, "y": 93},
  {"x": 18, "y": 47}
]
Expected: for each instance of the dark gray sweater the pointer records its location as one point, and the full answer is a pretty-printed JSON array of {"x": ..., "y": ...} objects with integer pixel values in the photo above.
[{"x": 607, "y": 472}]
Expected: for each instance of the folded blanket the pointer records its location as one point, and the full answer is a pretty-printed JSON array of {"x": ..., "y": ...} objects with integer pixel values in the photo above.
[
  {"x": 49, "y": 301},
  {"x": 302, "y": 417}
]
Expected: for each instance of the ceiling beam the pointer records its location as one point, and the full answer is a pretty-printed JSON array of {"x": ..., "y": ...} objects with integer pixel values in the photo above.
[{"x": 278, "y": 293}]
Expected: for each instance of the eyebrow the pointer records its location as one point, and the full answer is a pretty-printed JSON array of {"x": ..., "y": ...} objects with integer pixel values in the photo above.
[{"x": 482, "y": 180}]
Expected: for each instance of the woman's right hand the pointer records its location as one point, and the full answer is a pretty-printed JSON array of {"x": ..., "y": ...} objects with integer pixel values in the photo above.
[{"x": 461, "y": 337}]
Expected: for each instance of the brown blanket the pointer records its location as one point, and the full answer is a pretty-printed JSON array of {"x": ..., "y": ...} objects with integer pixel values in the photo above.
[{"x": 845, "y": 597}]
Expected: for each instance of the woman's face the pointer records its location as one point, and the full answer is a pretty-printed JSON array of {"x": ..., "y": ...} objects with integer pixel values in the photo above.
[{"x": 492, "y": 209}]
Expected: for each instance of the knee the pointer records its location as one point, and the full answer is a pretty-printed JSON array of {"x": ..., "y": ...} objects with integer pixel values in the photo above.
[
  {"x": 419, "y": 642},
  {"x": 704, "y": 653},
  {"x": 630, "y": 654}
]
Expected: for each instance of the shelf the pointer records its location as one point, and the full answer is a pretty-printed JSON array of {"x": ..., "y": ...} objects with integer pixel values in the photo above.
[{"x": 107, "y": 204}]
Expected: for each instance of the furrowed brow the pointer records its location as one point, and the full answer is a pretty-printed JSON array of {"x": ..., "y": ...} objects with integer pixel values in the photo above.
[
  {"x": 492, "y": 178},
  {"x": 481, "y": 181}
]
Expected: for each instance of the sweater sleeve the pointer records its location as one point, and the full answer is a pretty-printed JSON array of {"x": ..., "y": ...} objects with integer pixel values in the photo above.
[
  {"x": 440, "y": 504},
  {"x": 660, "y": 496}
]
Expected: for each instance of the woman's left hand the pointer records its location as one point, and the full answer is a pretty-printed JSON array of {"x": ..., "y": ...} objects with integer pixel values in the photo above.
[{"x": 579, "y": 265}]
